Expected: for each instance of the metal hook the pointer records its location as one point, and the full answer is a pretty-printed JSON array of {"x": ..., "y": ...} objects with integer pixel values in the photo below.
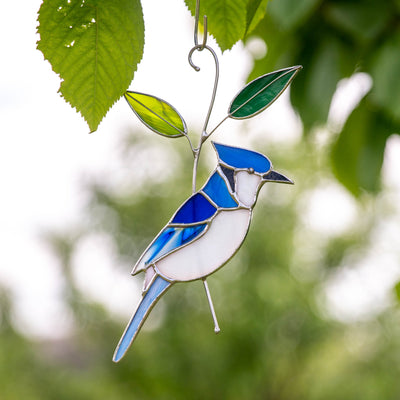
[
  {"x": 196, "y": 28},
  {"x": 216, "y": 78},
  {"x": 204, "y": 134}
]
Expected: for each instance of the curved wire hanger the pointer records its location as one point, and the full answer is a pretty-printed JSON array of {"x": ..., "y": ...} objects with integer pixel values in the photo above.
[{"x": 200, "y": 47}]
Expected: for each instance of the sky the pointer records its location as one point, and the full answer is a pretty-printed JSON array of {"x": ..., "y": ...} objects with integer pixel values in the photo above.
[{"x": 46, "y": 153}]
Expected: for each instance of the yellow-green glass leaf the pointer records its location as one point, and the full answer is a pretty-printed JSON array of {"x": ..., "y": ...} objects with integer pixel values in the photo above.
[
  {"x": 157, "y": 114},
  {"x": 256, "y": 96}
]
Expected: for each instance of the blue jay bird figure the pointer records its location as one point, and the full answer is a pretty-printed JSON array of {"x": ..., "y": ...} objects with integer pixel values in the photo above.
[{"x": 204, "y": 233}]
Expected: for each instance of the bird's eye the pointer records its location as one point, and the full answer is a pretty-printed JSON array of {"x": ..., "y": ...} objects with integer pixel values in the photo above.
[{"x": 251, "y": 170}]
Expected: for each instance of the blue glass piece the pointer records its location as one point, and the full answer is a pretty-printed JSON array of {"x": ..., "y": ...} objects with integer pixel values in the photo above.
[
  {"x": 242, "y": 158},
  {"x": 218, "y": 192},
  {"x": 158, "y": 244},
  {"x": 196, "y": 209},
  {"x": 191, "y": 232},
  {"x": 156, "y": 289},
  {"x": 170, "y": 239}
]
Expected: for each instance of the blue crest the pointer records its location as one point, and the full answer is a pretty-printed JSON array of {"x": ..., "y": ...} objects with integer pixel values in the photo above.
[{"x": 241, "y": 158}]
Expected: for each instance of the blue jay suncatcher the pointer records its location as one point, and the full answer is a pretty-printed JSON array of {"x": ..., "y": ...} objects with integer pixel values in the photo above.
[
  {"x": 210, "y": 226},
  {"x": 204, "y": 233}
]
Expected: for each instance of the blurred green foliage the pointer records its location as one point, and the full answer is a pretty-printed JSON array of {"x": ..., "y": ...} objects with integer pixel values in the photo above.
[
  {"x": 334, "y": 39},
  {"x": 277, "y": 342}
]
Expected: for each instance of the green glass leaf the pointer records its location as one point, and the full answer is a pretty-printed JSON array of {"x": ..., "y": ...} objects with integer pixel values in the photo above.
[
  {"x": 95, "y": 47},
  {"x": 157, "y": 114},
  {"x": 256, "y": 96}
]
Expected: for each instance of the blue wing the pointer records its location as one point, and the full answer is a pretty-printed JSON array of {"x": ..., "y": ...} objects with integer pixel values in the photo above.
[
  {"x": 170, "y": 239},
  {"x": 189, "y": 221},
  {"x": 195, "y": 211}
]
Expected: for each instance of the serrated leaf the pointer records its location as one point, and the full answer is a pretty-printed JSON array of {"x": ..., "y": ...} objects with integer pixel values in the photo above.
[
  {"x": 157, "y": 114},
  {"x": 257, "y": 95},
  {"x": 256, "y": 10},
  {"x": 95, "y": 47},
  {"x": 226, "y": 19}
]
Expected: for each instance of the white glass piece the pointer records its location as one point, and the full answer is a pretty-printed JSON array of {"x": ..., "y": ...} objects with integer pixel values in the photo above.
[
  {"x": 148, "y": 279},
  {"x": 247, "y": 187},
  {"x": 208, "y": 253}
]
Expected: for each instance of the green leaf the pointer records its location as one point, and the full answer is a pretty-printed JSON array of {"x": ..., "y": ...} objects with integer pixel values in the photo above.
[
  {"x": 226, "y": 19},
  {"x": 290, "y": 14},
  {"x": 157, "y": 114},
  {"x": 324, "y": 65},
  {"x": 364, "y": 23},
  {"x": 357, "y": 155},
  {"x": 256, "y": 96},
  {"x": 280, "y": 46},
  {"x": 385, "y": 74},
  {"x": 95, "y": 47},
  {"x": 256, "y": 10}
]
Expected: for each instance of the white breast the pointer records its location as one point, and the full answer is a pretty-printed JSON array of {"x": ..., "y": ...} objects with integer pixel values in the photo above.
[{"x": 211, "y": 251}]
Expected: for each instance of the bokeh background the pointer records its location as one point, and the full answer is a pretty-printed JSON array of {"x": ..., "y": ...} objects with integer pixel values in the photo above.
[{"x": 308, "y": 307}]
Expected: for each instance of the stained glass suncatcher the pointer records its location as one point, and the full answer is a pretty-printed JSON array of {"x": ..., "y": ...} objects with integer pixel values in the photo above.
[
  {"x": 205, "y": 232},
  {"x": 210, "y": 226}
]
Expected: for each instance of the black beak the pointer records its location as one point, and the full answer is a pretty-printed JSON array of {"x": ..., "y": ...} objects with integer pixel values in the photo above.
[{"x": 273, "y": 176}]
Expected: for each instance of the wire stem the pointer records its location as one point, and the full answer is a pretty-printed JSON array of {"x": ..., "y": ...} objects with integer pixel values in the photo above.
[{"x": 216, "y": 326}]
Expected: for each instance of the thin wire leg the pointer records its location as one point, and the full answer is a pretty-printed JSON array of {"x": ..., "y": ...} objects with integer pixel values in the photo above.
[{"x": 216, "y": 326}]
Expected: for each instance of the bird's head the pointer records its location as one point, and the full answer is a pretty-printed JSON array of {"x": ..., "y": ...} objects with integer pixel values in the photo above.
[{"x": 246, "y": 171}]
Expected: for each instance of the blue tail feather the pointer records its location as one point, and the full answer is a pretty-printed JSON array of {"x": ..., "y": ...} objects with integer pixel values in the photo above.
[{"x": 148, "y": 301}]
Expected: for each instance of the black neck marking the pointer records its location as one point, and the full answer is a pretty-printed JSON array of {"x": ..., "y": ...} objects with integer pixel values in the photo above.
[{"x": 229, "y": 173}]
